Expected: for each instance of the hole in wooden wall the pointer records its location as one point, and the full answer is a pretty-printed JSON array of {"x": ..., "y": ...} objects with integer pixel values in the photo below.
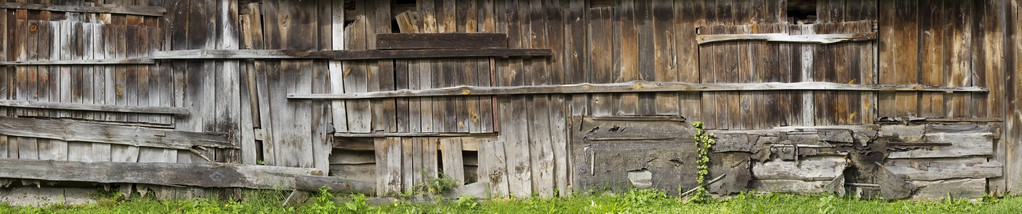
[{"x": 802, "y": 11}]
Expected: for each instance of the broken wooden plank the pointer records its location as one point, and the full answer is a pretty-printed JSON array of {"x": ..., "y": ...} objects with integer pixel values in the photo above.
[
  {"x": 333, "y": 185},
  {"x": 101, "y": 8},
  {"x": 392, "y": 41},
  {"x": 79, "y": 131},
  {"x": 167, "y": 174},
  {"x": 128, "y": 61},
  {"x": 349, "y": 54},
  {"x": 454, "y": 166},
  {"x": 784, "y": 37},
  {"x": 96, "y": 108},
  {"x": 956, "y": 189},
  {"x": 632, "y": 86},
  {"x": 493, "y": 167}
]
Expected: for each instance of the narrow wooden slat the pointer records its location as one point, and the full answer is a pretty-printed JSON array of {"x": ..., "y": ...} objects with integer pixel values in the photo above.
[
  {"x": 640, "y": 86},
  {"x": 396, "y": 41},
  {"x": 783, "y": 37},
  {"x": 452, "y": 159},
  {"x": 349, "y": 54},
  {"x": 110, "y": 134},
  {"x": 411, "y": 134},
  {"x": 103, "y": 8},
  {"x": 98, "y": 108},
  {"x": 169, "y": 174}
]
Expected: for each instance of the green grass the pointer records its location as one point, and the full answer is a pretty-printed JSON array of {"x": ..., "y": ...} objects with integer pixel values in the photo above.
[{"x": 641, "y": 201}]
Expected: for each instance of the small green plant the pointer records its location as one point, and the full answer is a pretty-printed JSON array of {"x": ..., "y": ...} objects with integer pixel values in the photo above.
[
  {"x": 704, "y": 142},
  {"x": 434, "y": 186}
]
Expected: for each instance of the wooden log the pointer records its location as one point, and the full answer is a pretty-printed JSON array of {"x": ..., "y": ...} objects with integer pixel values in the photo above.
[
  {"x": 102, "y": 8},
  {"x": 167, "y": 174},
  {"x": 812, "y": 169},
  {"x": 349, "y": 54},
  {"x": 392, "y": 41},
  {"x": 784, "y": 37},
  {"x": 333, "y": 185},
  {"x": 110, "y": 134},
  {"x": 962, "y": 145},
  {"x": 944, "y": 169},
  {"x": 96, "y": 108},
  {"x": 633, "y": 86}
]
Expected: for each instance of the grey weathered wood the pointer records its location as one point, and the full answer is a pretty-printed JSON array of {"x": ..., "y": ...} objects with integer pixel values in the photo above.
[
  {"x": 790, "y": 186},
  {"x": 633, "y": 86},
  {"x": 352, "y": 157},
  {"x": 814, "y": 169},
  {"x": 349, "y": 54},
  {"x": 783, "y": 37},
  {"x": 110, "y": 134},
  {"x": 944, "y": 169},
  {"x": 168, "y": 174},
  {"x": 388, "y": 41},
  {"x": 102, "y": 8},
  {"x": 962, "y": 145},
  {"x": 334, "y": 185},
  {"x": 453, "y": 163},
  {"x": 957, "y": 188},
  {"x": 493, "y": 168},
  {"x": 93, "y": 107}
]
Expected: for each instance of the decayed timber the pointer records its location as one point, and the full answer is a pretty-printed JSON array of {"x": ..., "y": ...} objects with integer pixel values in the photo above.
[
  {"x": 130, "y": 61},
  {"x": 783, "y": 37},
  {"x": 349, "y": 54},
  {"x": 335, "y": 185},
  {"x": 919, "y": 170},
  {"x": 80, "y": 131},
  {"x": 167, "y": 174},
  {"x": 632, "y": 86},
  {"x": 97, "y": 108},
  {"x": 390, "y": 41},
  {"x": 106, "y": 8}
]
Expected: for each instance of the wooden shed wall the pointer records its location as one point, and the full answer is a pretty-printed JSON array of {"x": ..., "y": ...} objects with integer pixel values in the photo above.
[{"x": 245, "y": 102}]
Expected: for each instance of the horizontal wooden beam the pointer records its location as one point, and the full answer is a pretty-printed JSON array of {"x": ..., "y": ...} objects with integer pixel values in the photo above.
[
  {"x": 98, "y": 108},
  {"x": 783, "y": 37},
  {"x": 130, "y": 61},
  {"x": 411, "y": 134},
  {"x": 392, "y": 41},
  {"x": 83, "y": 131},
  {"x": 103, "y": 8},
  {"x": 211, "y": 175},
  {"x": 335, "y": 185},
  {"x": 631, "y": 87},
  {"x": 350, "y": 54}
]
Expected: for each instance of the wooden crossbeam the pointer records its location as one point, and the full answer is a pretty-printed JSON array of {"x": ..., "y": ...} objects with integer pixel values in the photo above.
[
  {"x": 350, "y": 54},
  {"x": 103, "y": 8},
  {"x": 392, "y": 41},
  {"x": 632, "y": 87},
  {"x": 783, "y": 37},
  {"x": 82, "y": 131},
  {"x": 167, "y": 174},
  {"x": 96, "y": 108},
  {"x": 130, "y": 61}
]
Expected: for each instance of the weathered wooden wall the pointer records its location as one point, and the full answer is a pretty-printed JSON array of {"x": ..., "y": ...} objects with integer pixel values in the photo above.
[{"x": 112, "y": 65}]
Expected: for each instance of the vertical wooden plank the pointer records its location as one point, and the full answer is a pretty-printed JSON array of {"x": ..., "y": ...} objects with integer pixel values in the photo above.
[
  {"x": 467, "y": 22},
  {"x": 512, "y": 110},
  {"x": 485, "y": 73},
  {"x": 868, "y": 64},
  {"x": 416, "y": 171},
  {"x": 906, "y": 54},
  {"x": 356, "y": 75},
  {"x": 1013, "y": 114},
  {"x": 388, "y": 165},
  {"x": 453, "y": 163},
  {"x": 320, "y": 110},
  {"x": 430, "y": 167},
  {"x": 385, "y": 75},
  {"x": 931, "y": 43},
  {"x": 576, "y": 65},
  {"x": 687, "y": 16},
  {"x": 492, "y": 161},
  {"x": 540, "y": 147},
  {"x": 428, "y": 24},
  {"x": 408, "y": 168},
  {"x": 628, "y": 52},
  {"x": 338, "y": 107},
  {"x": 295, "y": 138},
  {"x": 601, "y": 47},
  {"x": 958, "y": 105},
  {"x": 665, "y": 59}
]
